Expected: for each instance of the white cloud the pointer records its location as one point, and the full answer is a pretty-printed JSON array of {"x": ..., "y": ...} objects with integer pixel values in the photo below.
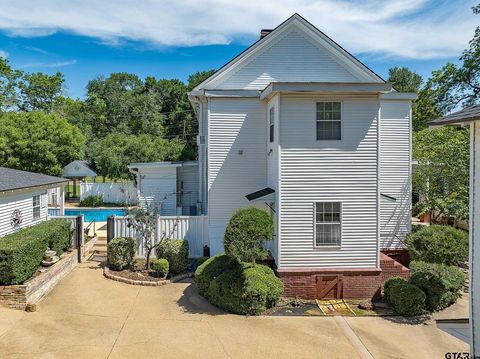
[
  {"x": 3, "y": 54},
  {"x": 49, "y": 64},
  {"x": 403, "y": 28}
]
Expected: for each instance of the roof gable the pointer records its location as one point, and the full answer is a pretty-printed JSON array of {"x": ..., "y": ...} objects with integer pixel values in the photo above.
[{"x": 295, "y": 51}]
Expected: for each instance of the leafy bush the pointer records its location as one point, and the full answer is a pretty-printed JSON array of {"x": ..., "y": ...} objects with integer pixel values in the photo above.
[
  {"x": 120, "y": 253},
  {"x": 139, "y": 264},
  {"x": 247, "y": 231},
  {"x": 160, "y": 266},
  {"x": 405, "y": 298},
  {"x": 21, "y": 252},
  {"x": 176, "y": 252},
  {"x": 57, "y": 233},
  {"x": 438, "y": 244},
  {"x": 441, "y": 283},
  {"x": 20, "y": 256},
  {"x": 92, "y": 201},
  {"x": 389, "y": 284},
  {"x": 243, "y": 288},
  {"x": 201, "y": 260}
]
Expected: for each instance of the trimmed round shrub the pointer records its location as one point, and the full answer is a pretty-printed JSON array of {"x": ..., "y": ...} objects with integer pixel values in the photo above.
[
  {"x": 389, "y": 284},
  {"x": 201, "y": 260},
  {"x": 139, "y": 264},
  {"x": 438, "y": 244},
  {"x": 406, "y": 299},
  {"x": 242, "y": 288},
  {"x": 176, "y": 252},
  {"x": 441, "y": 283},
  {"x": 120, "y": 253},
  {"x": 160, "y": 266},
  {"x": 247, "y": 231}
]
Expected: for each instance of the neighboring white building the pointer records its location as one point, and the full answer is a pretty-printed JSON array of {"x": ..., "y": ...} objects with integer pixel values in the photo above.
[
  {"x": 470, "y": 116},
  {"x": 23, "y": 198},
  {"x": 173, "y": 186},
  {"x": 298, "y": 124}
]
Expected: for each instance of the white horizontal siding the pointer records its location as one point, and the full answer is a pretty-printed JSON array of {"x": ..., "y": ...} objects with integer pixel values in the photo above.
[
  {"x": 158, "y": 187},
  {"x": 234, "y": 125},
  {"x": 23, "y": 202},
  {"x": 295, "y": 57},
  {"x": 395, "y": 178},
  {"x": 343, "y": 171}
]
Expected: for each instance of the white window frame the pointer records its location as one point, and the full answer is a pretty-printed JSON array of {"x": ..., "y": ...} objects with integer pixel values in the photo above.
[
  {"x": 271, "y": 124},
  {"x": 323, "y": 246},
  {"x": 39, "y": 206},
  {"x": 317, "y": 121}
]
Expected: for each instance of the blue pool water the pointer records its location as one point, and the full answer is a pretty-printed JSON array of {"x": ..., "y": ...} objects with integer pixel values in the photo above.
[{"x": 97, "y": 214}]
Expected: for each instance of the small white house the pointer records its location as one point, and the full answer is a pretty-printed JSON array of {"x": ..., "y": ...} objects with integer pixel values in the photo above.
[
  {"x": 470, "y": 116},
  {"x": 298, "y": 125},
  {"x": 173, "y": 186},
  {"x": 23, "y": 198}
]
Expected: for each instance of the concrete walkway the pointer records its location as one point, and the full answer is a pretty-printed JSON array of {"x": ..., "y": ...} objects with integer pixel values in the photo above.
[{"x": 88, "y": 316}]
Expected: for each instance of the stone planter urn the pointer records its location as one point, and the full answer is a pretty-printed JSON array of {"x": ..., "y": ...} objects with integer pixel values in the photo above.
[{"x": 50, "y": 257}]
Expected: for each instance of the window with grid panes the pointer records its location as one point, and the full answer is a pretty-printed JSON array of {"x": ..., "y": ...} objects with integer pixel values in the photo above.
[
  {"x": 329, "y": 121},
  {"x": 328, "y": 224}
]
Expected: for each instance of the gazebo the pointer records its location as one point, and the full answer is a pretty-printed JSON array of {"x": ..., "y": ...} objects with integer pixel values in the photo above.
[{"x": 78, "y": 170}]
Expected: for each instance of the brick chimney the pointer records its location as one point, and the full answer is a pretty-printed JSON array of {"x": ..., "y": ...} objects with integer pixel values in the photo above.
[{"x": 264, "y": 32}]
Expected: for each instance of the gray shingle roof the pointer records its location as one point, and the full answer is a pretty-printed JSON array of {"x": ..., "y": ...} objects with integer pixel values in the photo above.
[
  {"x": 11, "y": 179},
  {"x": 468, "y": 114}
]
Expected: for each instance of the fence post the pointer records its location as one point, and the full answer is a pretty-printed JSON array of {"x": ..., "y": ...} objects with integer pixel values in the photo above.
[
  {"x": 79, "y": 236},
  {"x": 110, "y": 228}
]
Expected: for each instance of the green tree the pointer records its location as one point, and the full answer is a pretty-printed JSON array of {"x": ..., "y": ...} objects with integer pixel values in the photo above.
[
  {"x": 116, "y": 151},
  {"x": 404, "y": 80},
  {"x": 441, "y": 178},
  {"x": 39, "y": 91},
  {"x": 424, "y": 109},
  {"x": 8, "y": 84},
  {"x": 38, "y": 142},
  {"x": 459, "y": 85},
  {"x": 197, "y": 78}
]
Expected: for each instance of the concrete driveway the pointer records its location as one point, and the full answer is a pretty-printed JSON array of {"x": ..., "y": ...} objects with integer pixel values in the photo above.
[{"x": 89, "y": 316}]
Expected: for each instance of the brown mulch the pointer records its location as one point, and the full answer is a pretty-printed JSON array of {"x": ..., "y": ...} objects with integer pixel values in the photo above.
[{"x": 140, "y": 275}]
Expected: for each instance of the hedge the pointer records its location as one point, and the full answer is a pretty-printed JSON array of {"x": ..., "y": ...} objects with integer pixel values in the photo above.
[
  {"x": 438, "y": 244},
  {"x": 120, "y": 253},
  {"x": 160, "y": 266},
  {"x": 21, "y": 252},
  {"x": 199, "y": 261},
  {"x": 242, "y": 288},
  {"x": 405, "y": 298},
  {"x": 441, "y": 283},
  {"x": 176, "y": 252}
]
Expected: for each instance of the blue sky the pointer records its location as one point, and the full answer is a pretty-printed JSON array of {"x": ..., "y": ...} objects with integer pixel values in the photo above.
[{"x": 172, "y": 39}]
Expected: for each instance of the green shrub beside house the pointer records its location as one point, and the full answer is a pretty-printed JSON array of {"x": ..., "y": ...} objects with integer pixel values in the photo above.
[
  {"x": 21, "y": 252},
  {"x": 120, "y": 253},
  {"x": 233, "y": 281},
  {"x": 238, "y": 287}
]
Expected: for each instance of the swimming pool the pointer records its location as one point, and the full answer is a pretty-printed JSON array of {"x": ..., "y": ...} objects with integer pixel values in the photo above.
[{"x": 97, "y": 214}]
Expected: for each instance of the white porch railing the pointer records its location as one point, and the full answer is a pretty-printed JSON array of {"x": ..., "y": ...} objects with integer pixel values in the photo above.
[{"x": 191, "y": 228}]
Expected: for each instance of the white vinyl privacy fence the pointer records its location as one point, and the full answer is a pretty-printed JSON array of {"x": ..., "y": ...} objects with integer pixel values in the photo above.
[
  {"x": 119, "y": 193},
  {"x": 191, "y": 228}
]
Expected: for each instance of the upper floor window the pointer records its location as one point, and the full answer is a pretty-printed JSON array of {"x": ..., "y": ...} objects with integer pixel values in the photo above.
[
  {"x": 271, "y": 124},
  {"x": 36, "y": 207},
  {"x": 329, "y": 121},
  {"x": 328, "y": 224}
]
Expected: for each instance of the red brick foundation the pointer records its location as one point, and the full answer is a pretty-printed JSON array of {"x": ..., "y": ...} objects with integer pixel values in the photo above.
[{"x": 358, "y": 283}]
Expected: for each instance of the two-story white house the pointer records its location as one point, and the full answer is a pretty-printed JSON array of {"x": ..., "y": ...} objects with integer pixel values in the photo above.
[{"x": 298, "y": 125}]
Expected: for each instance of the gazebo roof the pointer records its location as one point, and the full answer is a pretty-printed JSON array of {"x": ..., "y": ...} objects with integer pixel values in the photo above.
[{"x": 78, "y": 169}]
